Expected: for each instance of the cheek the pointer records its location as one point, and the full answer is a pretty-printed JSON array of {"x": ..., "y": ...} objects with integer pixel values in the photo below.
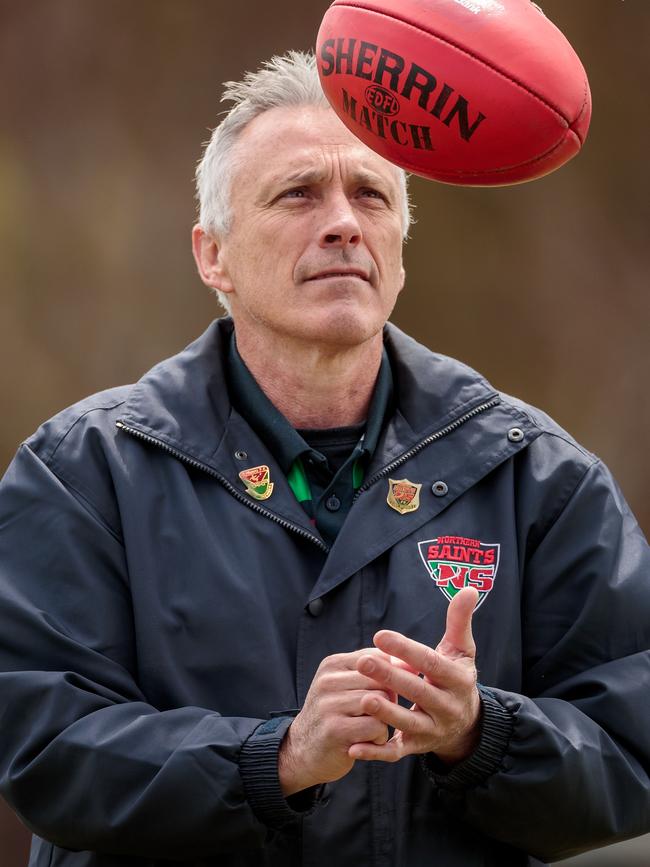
[
  {"x": 384, "y": 236},
  {"x": 262, "y": 275},
  {"x": 270, "y": 253},
  {"x": 390, "y": 253},
  {"x": 247, "y": 262}
]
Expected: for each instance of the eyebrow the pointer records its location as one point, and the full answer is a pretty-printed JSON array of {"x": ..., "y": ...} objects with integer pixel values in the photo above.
[{"x": 312, "y": 175}]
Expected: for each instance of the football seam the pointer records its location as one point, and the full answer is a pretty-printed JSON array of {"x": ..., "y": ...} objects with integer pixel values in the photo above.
[
  {"x": 415, "y": 167},
  {"x": 583, "y": 108},
  {"x": 452, "y": 44}
]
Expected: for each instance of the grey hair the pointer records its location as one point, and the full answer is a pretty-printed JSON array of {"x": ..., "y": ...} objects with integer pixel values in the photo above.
[{"x": 287, "y": 80}]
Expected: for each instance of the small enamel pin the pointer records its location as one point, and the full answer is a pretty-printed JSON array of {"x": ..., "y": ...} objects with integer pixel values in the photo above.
[
  {"x": 403, "y": 496},
  {"x": 258, "y": 482}
]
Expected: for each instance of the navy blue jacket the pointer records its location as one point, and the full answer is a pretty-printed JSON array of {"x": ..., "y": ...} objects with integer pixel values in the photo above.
[{"x": 159, "y": 627}]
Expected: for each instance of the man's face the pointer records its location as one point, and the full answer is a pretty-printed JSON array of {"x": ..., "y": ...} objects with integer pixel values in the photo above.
[{"x": 314, "y": 251}]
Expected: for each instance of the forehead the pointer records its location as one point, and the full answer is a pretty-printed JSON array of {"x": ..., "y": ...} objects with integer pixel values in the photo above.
[{"x": 287, "y": 141}]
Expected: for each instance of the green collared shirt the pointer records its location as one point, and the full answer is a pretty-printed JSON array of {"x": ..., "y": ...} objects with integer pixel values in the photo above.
[{"x": 325, "y": 488}]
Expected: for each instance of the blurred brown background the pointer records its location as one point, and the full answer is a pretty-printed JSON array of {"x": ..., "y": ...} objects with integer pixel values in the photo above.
[{"x": 104, "y": 105}]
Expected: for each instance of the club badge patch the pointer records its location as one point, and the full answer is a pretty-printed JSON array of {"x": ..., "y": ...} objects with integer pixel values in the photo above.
[
  {"x": 258, "y": 482},
  {"x": 455, "y": 562},
  {"x": 403, "y": 496}
]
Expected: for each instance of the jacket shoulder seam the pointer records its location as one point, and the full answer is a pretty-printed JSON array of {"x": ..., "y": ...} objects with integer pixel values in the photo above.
[
  {"x": 563, "y": 505},
  {"x": 86, "y": 504},
  {"x": 48, "y": 458},
  {"x": 546, "y": 430},
  {"x": 589, "y": 456}
]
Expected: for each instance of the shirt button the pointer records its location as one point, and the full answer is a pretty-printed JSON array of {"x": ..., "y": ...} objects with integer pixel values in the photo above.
[
  {"x": 315, "y": 607},
  {"x": 333, "y": 503}
]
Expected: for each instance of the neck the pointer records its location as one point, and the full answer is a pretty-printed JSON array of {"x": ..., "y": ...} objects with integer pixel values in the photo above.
[{"x": 314, "y": 386}]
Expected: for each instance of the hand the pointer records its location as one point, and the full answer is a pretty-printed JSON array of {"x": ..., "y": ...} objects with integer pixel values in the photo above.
[
  {"x": 316, "y": 747},
  {"x": 444, "y": 717}
]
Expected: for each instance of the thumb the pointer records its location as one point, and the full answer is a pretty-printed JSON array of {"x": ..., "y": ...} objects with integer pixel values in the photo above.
[{"x": 458, "y": 639}]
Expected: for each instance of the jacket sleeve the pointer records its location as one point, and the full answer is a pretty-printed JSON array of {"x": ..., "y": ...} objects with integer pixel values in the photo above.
[
  {"x": 564, "y": 767},
  {"x": 85, "y": 759}
]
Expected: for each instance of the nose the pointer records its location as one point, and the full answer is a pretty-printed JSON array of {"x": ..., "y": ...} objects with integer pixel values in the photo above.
[{"x": 340, "y": 227}]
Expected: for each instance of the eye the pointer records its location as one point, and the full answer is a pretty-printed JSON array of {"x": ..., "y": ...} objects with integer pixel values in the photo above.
[
  {"x": 294, "y": 193},
  {"x": 370, "y": 193}
]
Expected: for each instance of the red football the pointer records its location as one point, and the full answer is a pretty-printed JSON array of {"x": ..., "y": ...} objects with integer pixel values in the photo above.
[{"x": 472, "y": 92}]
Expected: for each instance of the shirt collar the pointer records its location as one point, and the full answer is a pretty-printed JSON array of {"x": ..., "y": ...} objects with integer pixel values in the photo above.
[{"x": 282, "y": 440}]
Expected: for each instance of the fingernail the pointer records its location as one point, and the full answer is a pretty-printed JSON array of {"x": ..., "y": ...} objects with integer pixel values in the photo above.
[{"x": 367, "y": 666}]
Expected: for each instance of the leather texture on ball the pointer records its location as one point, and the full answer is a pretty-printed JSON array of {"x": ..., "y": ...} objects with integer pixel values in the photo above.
[{"x": 471, "y": 92}]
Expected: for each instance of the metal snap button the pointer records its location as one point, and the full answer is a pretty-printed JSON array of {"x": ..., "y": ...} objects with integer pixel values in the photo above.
[
  {"x": 515, "y": 435},
  {"x": 439, "y": 489},
  {"x": 333, "y": 504},
  {"x": 316, "y": 607},
  {"x": 241, "y": 455}
]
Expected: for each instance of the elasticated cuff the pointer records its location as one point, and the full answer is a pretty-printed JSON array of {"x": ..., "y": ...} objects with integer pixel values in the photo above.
[
  {"x": 258, "y": 766},
  {"x": 496, "y": 729}
]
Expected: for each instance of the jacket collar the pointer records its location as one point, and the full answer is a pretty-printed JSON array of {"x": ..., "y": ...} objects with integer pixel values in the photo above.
[
  {"x": 183, "y": 401},
  {"x": 284, "y": 441},
  {"x": 431, "y": 389},
  {"x": 437, "y": 432}
]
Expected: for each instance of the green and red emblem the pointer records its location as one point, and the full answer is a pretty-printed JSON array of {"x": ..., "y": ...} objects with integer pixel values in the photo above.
[
  {"x": 403, "y": 496},
  {"x": 455, "y": 562},
  {"x": 258, "y": 482}
]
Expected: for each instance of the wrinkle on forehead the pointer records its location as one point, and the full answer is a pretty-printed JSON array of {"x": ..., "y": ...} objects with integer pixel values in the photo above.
[
  {"x": 285, "y": 142},
  {"x": 325, "y": 170}
]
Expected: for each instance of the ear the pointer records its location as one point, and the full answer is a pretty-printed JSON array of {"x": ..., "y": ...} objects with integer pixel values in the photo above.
[
  {"x": 402, "y": 278},
  {"x": 207, "y": 250}
]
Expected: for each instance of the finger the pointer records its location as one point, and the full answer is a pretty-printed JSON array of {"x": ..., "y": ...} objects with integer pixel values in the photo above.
[
  {"x": 343, "y": 681},
  {"x": 347, "y": 661},
  {"x": 409, "y": 721},
  {"x": 391, "y": 751},
  {"x": 458, "y": 639},
  {"x": 395, "y": 660},
  {"x": 361, "y": 729},
  {"x": 439, "y": 669},
  {"x": 350, "y": 702},
  {"x": 358, "y": 700},
  {"x": 417, "y": 690}
]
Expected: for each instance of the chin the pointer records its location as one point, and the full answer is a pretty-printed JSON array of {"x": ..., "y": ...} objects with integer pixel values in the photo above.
[{"x": 342, "y": 326}]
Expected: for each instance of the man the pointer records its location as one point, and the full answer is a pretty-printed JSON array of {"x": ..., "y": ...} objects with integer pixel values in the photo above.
[{"x": 244, "y": 600}]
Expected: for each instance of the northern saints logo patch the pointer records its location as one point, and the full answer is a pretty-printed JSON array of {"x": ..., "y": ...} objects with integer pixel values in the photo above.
[
  {"x": 455, "y": 562},
  {"x": 258, "y": 482}
]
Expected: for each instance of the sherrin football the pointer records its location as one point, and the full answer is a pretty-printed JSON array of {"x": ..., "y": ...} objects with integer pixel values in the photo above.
[{"x": 471, "y": 92}]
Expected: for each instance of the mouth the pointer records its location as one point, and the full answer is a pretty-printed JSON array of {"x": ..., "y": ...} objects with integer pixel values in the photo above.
[{"x": 328, "y": 275}]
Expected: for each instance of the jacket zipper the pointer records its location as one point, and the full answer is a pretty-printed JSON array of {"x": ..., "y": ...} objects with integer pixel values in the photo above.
[
  {"x": 454, "y": 425},
  {"x": 224, "y": 481},
  {"x": 434, "y": 437}
]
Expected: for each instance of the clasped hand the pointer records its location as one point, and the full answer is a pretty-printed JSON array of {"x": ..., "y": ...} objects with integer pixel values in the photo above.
[{"x": 353, "y": 700}]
